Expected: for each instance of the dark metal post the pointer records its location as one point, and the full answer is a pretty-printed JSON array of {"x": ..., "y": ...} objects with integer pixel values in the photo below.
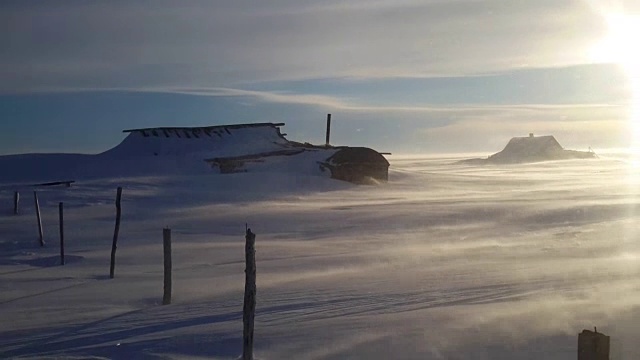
[{"x": 328, "y": 128}]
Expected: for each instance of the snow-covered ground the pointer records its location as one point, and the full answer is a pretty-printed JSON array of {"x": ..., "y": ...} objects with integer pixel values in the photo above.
[{"x": 444, "y": 262}]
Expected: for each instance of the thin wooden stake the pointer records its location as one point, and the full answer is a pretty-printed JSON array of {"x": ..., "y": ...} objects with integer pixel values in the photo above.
[
  {"x": 114, "y": 246},
  {"x": 166, "y": 237},
  {"x": 61, "y": 213},
  {"x": 35, "y": 198},
  {"x": 16, "y": 202},
  {"x": 249, "y": 308}
]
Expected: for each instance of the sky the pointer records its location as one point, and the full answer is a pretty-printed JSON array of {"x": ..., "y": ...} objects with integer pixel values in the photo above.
[{"x": 402, "y": 76}]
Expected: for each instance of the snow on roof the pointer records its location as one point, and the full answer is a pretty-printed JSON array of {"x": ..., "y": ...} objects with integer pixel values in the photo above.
[
  {"x": 203, "y": 128},
  {"x": 204, "y": 142}
]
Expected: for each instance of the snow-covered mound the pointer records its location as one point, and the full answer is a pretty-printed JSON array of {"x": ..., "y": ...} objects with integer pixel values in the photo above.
[
  {"x": 192, "y": 150},
  {"x": 532, "y": 149}
]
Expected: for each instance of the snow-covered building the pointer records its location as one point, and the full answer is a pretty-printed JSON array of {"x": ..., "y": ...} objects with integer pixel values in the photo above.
[
  {"x": 257, "y": 147},
  {"x": 533, "y": 149}
]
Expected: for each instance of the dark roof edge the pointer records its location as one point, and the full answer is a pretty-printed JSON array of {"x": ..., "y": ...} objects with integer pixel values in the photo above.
[
  {"x": 533, "y": 137},
  {"x": 232, "y": 126}
]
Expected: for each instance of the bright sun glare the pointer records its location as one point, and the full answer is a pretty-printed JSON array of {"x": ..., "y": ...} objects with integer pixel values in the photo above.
[{"x": 621, "y": 46}]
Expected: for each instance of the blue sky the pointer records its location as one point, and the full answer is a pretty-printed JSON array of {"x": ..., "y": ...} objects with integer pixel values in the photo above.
[{"x": 401, "y": 76}]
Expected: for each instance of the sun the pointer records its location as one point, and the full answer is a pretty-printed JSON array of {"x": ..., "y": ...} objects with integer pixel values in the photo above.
[{"x": 620, "y": 46}]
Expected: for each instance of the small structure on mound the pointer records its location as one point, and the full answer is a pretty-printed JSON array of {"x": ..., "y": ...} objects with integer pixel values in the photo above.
[
  {"x": 532, "y": 149},
  {"x": 593, "y": 345},
  {"x": 358, "y": 165}
]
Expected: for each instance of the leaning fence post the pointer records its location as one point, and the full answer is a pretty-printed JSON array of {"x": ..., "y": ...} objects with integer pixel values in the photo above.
[
  {"x": 249, "y": 308},
  {"x": 593, "y": 345},
  {"x": 61, "y": 214},
  {"x": 35, "y": 198},
  {"x": 166, "y": 239},
  {"x": 16, "y": 202},
  {"x": 115, "y": 234}
]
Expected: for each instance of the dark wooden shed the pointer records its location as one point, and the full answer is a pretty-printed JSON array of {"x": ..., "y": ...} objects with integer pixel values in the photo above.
[{"x": 357, "y": 165}]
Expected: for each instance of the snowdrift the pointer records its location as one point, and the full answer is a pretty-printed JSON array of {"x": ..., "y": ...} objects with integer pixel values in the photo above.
[
  {"x": 259, "y": 147},
  {"x": 532, "y": 149}
]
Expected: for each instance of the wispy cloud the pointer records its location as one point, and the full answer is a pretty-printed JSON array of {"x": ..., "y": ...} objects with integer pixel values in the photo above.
[
  {"x": 267, "y": 96},
  {"x": 473, "y": 126},
  {"x": 222, "y": 44},
  {"x": 353, "y": 105}
]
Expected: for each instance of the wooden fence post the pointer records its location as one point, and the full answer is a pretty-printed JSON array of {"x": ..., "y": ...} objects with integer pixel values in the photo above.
[
  {"x": 249, "y": 308},
  {"x": 593, "y": 345},
  {"x": 114, "y": 245},
  {"x": 35, "y": 199},
  {"x": 61, "y": 214},
  {"x": 16, "y": 202},
  {"x": 166, "y": 239}
]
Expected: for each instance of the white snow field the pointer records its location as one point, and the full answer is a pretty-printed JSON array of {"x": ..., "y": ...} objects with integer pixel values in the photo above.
[{"x": 445, "y": 261}]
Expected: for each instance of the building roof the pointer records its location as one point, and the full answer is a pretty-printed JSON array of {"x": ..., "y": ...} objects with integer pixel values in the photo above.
[
  {"x": 357, "y": 155},
  {"x": 216, "y": 127}
]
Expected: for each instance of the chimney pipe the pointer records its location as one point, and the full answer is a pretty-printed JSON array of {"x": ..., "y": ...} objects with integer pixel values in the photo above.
[{"x": 328, "y": 128}]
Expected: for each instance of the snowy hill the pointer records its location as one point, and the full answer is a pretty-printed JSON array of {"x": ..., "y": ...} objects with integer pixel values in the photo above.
[{"x": 532, "y": 149}]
